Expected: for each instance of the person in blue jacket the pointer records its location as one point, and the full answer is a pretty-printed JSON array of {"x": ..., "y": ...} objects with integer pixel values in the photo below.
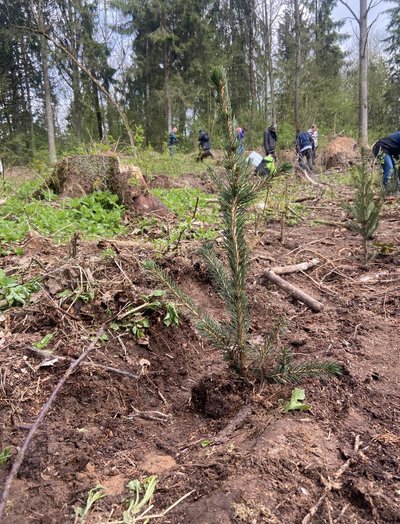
[
  {"x": 172, "y": 141},
  {"x": 387, "y": 150},
  {"x": 304, "y": 149}
]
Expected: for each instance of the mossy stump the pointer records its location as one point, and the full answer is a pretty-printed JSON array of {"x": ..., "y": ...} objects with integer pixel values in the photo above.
[{"x": 75, "y": 176}]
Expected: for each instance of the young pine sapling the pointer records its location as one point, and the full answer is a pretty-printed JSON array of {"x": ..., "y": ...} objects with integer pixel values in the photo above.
[{"x": 237, "y": 191}]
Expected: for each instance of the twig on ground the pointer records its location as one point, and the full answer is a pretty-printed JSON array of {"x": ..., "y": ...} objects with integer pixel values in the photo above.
[
  {"x": 149, "y": 415},
  {"x": 293, "y": 291},
  {"x": 331, "y": 484},
  {"x": 341, "y": 514},
  {"x": 236, "y": 423},
  {"x": 43, "y": 412},
  {"x": 303, "y": 266},
  {"x": 89, "y": 363},
  {"x": 163, "y": 513}
]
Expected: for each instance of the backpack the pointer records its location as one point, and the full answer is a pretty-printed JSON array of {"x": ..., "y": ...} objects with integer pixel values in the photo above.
[
  {"x": 304, "y": 139},
  {"x": 205, "y": 137}
]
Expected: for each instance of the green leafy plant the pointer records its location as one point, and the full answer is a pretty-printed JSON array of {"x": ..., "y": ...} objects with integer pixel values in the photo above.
[
  {"x": 94, "y": 495},
  {"x": 94, "y": 215},
  {"x": 142, "y": 493},
  {"x": 108, "y": 252},
  {"x": 366, "y": 205},
  {"x": 14, "y": 294},
  {"x": 136, "y": 321},
  {"x": 172, "y": 316},
  {"x": 296, "y": 402},
  {"x": 5, "y": 456},
  {"x": 44, "y": 342}
]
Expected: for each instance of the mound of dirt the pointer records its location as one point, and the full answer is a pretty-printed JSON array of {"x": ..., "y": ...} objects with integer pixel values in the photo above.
[{"x": 341, "y": 152}]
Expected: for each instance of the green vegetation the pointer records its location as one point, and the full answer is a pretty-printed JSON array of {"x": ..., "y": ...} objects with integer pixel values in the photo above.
[
  {"x": 137, "y": 319},
  {"x": 94, "y": 215},
  {"x": 366, "y": 205},
  {"x": 5, "y": 456},
  {"x": 296, "y": 402},
  {"x": 14, "y": 294},
  {"x": 94, "y": 495},
  {"x": 44, "y": 342},
  {"x": 236, "y": 194},
  {"x": 198, "y": 216},
  {"x": 153, "y": 163},
  {"x": 141, "y": 495}
]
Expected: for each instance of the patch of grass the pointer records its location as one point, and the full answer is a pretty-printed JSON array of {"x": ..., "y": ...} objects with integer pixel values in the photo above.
[
  {"x": 5, "y": 456},
  {"x": 152, "y": 163},
  {"x": 199, "y": 218}
]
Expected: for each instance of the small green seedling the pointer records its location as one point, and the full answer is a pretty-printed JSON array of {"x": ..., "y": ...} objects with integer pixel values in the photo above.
[
  {"x": 94, "y": 495},
  {"x": 108, "y": 252},
  {"x": 5, "y": 456},
  {"x": 14, "y": 294},
  {"x": 296, "y": 401},
  {"x": 142, "y": 493},
  {"x": 172, "y": 316},
  {"x": 206, "y": 443},
  {"x": 44, "y": 342}
]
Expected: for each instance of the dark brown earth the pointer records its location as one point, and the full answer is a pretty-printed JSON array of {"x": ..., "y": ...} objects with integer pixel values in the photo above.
[{"x": 257, "y": 464}]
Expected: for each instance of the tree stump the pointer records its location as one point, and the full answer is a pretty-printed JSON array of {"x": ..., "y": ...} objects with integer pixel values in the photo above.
[{"x": 75, "y": 176}]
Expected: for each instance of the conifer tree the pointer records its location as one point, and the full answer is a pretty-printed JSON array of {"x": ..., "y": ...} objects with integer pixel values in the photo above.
[
  {"x": 366, "y": 205},
  {"x": 236, "y": 192}
]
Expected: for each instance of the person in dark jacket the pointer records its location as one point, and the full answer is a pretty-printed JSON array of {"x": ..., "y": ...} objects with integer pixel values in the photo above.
[
  {"x": 204, "y": 145},
  {"x": 172, "y": 141},
  {"x": 270, "y": 139},
  {"x": 304, "y": 149},
  {"x": 388, "y": 151}
]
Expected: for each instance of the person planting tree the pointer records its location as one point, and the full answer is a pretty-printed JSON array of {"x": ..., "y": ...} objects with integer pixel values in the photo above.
[{"x": 387, "y": 151}]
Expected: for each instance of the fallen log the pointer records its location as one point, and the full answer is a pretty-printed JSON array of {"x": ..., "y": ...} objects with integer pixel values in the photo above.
[
  {"x": 303, "y": 266},
  {"x": 294, "y": 292}
]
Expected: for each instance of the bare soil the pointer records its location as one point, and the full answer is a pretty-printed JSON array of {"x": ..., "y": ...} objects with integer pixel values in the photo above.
[{"x": 185, "y": 416}]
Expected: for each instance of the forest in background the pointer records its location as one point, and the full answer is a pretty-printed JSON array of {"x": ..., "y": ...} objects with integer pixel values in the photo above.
[{"x": 123, "y": 72}]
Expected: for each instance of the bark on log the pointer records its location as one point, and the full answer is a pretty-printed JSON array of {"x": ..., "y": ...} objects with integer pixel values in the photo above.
[
  {"x": 75, "y": 176},
  {"x": 294, "y": 291},
  {"x": 303, "y": 266}
]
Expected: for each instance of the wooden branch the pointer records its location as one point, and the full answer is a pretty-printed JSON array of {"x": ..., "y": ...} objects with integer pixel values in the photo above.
[
  {"x": 43, "y": 412},
  {"x": 303, "y": 266},
  {"x": 294, "y": 292}
]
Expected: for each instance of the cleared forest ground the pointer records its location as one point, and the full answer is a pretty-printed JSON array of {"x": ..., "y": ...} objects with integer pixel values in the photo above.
[{"x": 239, "y": 455}]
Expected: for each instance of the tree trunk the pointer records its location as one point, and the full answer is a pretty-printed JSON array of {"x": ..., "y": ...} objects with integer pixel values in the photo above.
[
  {"x": 28, "y": 94},
  {"x": 168, "y": 108},
  {"x": 363, "y": 68},
  {"x": 297, "y": 65},
  {"x": 75, "y": 176},
  {"x": 99, "y": 116},
  {"x": 47, "y": 89},
  {"x": 271, "y": 67}
]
